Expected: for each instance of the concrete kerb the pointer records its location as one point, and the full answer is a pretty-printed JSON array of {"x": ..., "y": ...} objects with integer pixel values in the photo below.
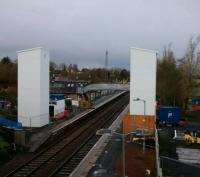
[{"x": 90, "y": 159}]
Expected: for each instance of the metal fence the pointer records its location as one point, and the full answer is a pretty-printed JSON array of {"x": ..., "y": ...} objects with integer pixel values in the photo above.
[{"x": 175, "y": 168}]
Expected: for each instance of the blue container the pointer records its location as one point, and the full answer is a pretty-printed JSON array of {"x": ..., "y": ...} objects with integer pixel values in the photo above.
[
  {"x": 169, "y": 115},
  {"x": 10, "y": 123},
  {"x": 57, "y": 97}
]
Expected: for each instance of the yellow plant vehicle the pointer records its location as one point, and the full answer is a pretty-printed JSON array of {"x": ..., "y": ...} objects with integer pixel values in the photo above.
[{"x": 193, "y": 137}]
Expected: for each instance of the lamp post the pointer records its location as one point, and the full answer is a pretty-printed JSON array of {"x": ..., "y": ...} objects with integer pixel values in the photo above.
[{"x": 144, "y": 101}]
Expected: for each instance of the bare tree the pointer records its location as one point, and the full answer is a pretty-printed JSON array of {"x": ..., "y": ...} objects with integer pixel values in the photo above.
[
  {"x": 189, "y": 66},
  {"x": 169, "y": 89}
]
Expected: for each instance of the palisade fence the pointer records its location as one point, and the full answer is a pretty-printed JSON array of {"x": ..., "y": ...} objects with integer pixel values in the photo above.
[
  {"x": 176, "y": 168},
  {"x": 158, "y": 160}
]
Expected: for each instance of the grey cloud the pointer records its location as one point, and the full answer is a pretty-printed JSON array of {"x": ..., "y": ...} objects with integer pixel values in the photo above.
[{"x": 79, "y": 31}]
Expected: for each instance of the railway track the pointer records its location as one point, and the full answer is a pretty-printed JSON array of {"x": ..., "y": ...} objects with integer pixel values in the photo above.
[{"x": 61, "y": 157}]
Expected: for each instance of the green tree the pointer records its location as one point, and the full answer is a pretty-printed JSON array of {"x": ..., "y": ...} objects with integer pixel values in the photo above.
[
  {"x": 8, "y": 72},
  {"x": 124, "y": 75},
  {"x": 6, "y": 60},
  {"x": 52, "y": 69}
]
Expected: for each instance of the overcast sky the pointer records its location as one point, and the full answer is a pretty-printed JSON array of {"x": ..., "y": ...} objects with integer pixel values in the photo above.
[{"x": 79, "y": 31}]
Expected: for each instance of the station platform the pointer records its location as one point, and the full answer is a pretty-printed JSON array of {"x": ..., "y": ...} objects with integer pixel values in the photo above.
[{"x": 38, "y": 136}]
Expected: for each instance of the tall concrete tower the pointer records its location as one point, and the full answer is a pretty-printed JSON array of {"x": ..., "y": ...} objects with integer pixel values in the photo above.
[
  {"x": 106, "y": 59},
  {"x": 106, "y": 65},
  {"x": 33, "y": 87},
  {"x": 142, "y": 91},
  {"x": 143, "y": 81}
]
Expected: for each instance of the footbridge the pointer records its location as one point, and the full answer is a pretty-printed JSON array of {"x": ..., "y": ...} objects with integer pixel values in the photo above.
[
  {"x": 103, "y": 86},
  {"x": 93, "y": 92}
]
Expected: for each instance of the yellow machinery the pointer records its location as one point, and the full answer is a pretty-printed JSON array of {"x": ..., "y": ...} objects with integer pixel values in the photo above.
[{"x": 192, "y": 139}]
